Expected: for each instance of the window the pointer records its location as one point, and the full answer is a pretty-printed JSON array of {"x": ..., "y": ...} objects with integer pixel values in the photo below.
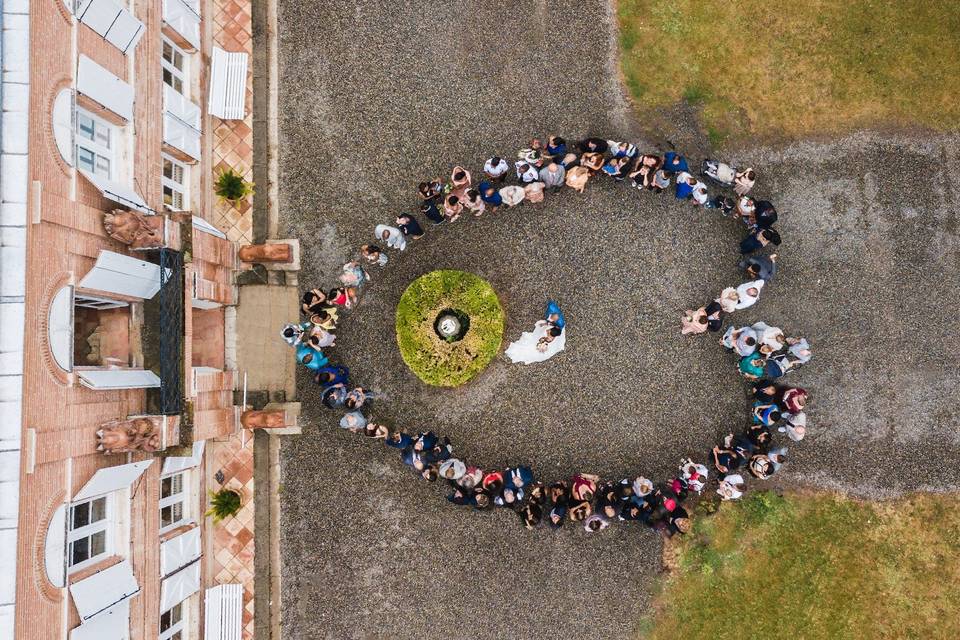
[
  {"x": 90, "y": 536},
  {"x": 175, "y": 68},
  {"x": 173, "y": 498},
  {"x": 96, "y": 145},
  {"x": 171, "y": 623},
  {"x": 174, "y": 183}
]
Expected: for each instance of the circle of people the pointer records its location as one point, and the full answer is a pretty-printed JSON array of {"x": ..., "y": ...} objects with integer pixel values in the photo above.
[{"x": 764, "y": 353}]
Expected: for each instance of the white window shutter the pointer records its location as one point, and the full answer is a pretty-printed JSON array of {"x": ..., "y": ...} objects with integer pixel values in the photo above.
[
  {"x": 183, "y": 16},
  {"x": 112, "y": 379},
  {"x": 180, "y": 136},
  {"x": 125, "y": 32},
  {"x": 119, "y": 193},
  {"x": 175, "y": 464},
  {"x": 117, "y": 273},
  {"x": 180, "y": 107},
  {"x": 112, "y": 624},
  {"x": 104, "y": 589},
  {"x": 117, "y": 25},
  {"x": 112, "y": 479},
  {"x": 223, "y": 612},
  {"x": 180, "y": 586},
  {"x": 104, "y": 88},
  {"x": 228, "y": 84},
  {"x": 180, "y": 551}
]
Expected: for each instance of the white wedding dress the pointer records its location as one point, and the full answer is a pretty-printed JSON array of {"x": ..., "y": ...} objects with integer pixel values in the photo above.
[{"x": 525, "y": 349}]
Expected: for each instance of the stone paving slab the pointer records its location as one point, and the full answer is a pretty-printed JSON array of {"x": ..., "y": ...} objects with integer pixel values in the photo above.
[{"x": 262, "y": 355}]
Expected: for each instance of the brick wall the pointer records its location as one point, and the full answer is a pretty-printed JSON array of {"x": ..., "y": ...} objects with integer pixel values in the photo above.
[{"x": 63, "y": 236}]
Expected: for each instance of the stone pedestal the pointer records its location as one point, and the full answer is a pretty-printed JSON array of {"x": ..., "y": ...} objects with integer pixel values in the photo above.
[
  {"x": 275, "y": 255},
  {"x": 277, "y": 418},
  {"x": 266, "y": 253},
  {"x": 274, "y": 419}
]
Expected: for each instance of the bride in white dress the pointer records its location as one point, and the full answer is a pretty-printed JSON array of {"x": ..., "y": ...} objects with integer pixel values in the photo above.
[{"x": 537, "y": 345}]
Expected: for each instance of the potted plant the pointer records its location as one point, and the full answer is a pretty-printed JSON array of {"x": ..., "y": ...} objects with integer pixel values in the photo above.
[
  {"x": 223, "y": 504},
  {"x": 231, "y": 186}
]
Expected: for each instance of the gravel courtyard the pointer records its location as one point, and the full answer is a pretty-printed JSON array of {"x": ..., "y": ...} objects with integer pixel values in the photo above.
[{"x": 377, "y": 96}]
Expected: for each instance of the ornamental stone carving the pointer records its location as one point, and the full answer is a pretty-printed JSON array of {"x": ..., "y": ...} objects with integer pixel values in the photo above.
[
  {"x": 134, "y": 229},
  {"x": 135, "y": 434}
]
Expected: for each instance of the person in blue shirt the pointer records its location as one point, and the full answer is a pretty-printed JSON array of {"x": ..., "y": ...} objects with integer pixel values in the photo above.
[
  {"x": 490, "y": 194},
  {"x": 311, "y": 358},
  {"x": 674, "y": 162},
  {"x": 556, "y": 147},
  {"x": 399, "y": 440},
  {"x": 554, "y": 316},
  {"x": 331, "y": 375}
]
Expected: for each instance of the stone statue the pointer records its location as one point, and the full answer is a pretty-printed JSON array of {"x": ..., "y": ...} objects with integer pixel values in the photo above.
[
  {"x": 134, "y": 229},
  {"x": 134, "y": 434}
]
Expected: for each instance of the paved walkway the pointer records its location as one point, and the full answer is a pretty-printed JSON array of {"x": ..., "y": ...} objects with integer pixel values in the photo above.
[
  {"x": 370, "y": 550},
  {"x": 233, "y": 538},
  {"x": 233, "y": 139}
]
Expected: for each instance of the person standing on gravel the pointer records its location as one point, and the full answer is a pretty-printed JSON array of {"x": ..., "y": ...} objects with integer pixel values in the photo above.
[
  {"x": 744, "y": 181},
  {"x": 553, "y": 176},
  {"x": 760, "y": 267},
  {"x": 526, "y": 173},
  {"x": 496, "y": 168},
  {"x": 409, "y": 226},
  {"x": 759, "y": 239},
  {"x": 391, "y": 236}
]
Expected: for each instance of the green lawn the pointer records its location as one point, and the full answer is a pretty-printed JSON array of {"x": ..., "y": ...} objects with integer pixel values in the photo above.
[
  {"x": 757, "y": 67},
  {"x": 815, "y": 567}
]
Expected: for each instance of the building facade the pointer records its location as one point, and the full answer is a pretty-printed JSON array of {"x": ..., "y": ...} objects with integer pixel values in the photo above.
[{"x": 114, "y": 346}]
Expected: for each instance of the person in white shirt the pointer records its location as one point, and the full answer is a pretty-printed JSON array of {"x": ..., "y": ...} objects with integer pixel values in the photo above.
[
  {"x": 526, "y": 173},
  {"x": 391, "y": 236},
  {"x": 496, "y": 168},
  {"x": 731, "y": 487}
]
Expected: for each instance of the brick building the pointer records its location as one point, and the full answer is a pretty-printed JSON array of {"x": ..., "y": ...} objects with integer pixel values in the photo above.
[{"x": 114, "y": 351}]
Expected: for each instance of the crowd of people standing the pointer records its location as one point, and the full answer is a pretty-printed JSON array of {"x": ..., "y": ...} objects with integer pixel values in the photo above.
[{"x": 764, "y": 354}]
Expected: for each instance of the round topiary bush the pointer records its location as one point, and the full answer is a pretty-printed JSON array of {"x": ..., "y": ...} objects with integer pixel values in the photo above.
[{"x": 468, "y": 307}]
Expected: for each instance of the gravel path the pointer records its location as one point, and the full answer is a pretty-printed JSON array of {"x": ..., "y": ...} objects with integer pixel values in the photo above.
[{"x": 377, "y": 96}]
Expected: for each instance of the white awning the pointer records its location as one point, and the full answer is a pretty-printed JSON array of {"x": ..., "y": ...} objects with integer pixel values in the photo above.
[
  {"x": 110, "y": 379},
  {"x": 173, "y": 464},
  {"x": 180, "y": 551},
  {"x": 112, "y": 624},
  {"x": 104, "y": 590},
  {"x": 62, "y": 117},
  {"x": 203, "y": 225},
  {"x": 127, "y": 196},
  {"x": 104, "y": 88},
  {"x": 117, "y": 273},
  {"x": 184, "y": 18},
  {"x": 60, "y": 328},
  {"x": 180, "y": 586},
  {"x": 118, "y": 26},
  {"x": 112, "y": 479}
]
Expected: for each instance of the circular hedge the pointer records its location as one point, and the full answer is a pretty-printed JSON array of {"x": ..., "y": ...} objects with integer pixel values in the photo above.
[{"x": 437, "y": 361}]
